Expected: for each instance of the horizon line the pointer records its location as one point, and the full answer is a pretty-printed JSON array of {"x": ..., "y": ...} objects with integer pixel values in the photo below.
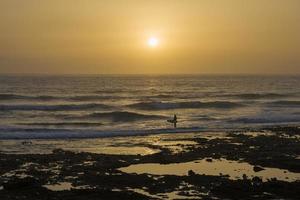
[{"x": 148, "y": 74}]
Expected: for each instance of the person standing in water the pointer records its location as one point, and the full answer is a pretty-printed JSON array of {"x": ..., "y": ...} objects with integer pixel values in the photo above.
[{"x": 175, "y": 121}]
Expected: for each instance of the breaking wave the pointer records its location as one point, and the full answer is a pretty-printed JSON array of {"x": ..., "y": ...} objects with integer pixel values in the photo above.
[
  {"x": 5, "y": 97},
  {"x": 262, "y": 120},
  {"x": 121, "y": 116},
  {"x": 184, "y": 105},
  {"x": 90, "y": 98},
  {"x": 84, "y": 124},
  {"x": 285, "y": 103},
  {"x": 48, "y": 133},
  {"x": 62, "y": 107},
  {"x": 256, "y": 95},
  {"x": 11, "y": 97}
]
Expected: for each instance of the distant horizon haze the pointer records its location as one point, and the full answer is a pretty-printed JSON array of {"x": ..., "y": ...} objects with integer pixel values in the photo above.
[
  {"x": 147, "y": 74},
  {"x": 149, "y": 37}
]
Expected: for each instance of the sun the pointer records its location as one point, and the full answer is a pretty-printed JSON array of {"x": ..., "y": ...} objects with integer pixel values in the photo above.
[{"x": 153, "y": 42}]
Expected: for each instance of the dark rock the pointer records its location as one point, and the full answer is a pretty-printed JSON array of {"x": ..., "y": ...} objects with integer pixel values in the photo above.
[
  {"x": 256, "y": 179},
  {"x": 16, "y": 184},
  {"x": 58, "y": 151},
  {"x": 191, "y": 173},
  {"x": 257, "y": 169}
]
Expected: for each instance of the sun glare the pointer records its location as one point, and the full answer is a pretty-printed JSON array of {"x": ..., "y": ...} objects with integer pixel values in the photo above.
[{"x": 153, "y": 42}]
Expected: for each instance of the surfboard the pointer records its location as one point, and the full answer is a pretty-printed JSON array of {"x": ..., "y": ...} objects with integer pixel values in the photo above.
[{"x": 172, "y": 121}]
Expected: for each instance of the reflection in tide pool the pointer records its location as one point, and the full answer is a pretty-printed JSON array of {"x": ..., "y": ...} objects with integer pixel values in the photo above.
[
  {"x": 59, "y": 186},
  {"x": 234, "y": 169},
  {"x": 118, "y": 150},
  {"x": 169, "y": 195},
  {"x": 63, "y": 186}
]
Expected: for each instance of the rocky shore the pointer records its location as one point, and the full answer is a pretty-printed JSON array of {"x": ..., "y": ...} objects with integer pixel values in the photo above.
[{"x": 72, "y": 175}]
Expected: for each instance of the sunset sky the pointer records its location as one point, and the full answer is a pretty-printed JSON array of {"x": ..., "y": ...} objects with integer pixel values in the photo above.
[{"x": 142, "y": 36}]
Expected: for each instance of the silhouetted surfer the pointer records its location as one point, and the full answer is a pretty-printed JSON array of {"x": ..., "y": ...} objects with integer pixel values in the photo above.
[{"x": 173, "y": 121}]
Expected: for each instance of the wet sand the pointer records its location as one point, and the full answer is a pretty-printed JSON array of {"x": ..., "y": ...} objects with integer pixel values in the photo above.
[{"x": 247, "y": 164}]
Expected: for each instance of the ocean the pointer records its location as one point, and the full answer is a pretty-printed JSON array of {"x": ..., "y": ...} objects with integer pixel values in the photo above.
[{"x": 40, "y": 106}]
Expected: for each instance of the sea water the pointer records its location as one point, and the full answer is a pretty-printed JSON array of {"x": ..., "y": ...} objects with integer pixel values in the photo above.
[{"x": 40, "y": 106}]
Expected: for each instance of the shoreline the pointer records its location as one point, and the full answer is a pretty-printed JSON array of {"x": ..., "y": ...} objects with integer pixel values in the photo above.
[{"x": 97, "y": 134}]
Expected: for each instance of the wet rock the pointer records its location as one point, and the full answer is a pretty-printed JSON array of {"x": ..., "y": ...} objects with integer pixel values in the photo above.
[
  {"x": 103, "y": 175},
  {"x": 16, "y": 184},
  {"x": 26, "y": 143},
  {"x": 257, "y": 169},
  {"x": 256, "y": 179},
  {"x": 191, "y": 173},
  {"x": 58, "y": 151},
  {"x": 273, "y": 179}
]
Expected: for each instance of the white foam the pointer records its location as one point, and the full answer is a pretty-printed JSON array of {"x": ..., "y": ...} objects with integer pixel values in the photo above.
[{"x": 80, "y": 133}]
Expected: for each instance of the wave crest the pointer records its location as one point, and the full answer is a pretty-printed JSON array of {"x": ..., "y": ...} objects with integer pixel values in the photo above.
[
  {"x": 262, "y": 120},
  {"x": 184, "y": 105},
  {"x": 11, "y": 96},
  {"x": 121, "y": 116},
  {"x": 285, "y": 103},
  {"x": 63, "y": 107},
  {"x": 85, "y": 124},
  {"x": 4, "y": 97},
  {"x": 255, "y": 95}
]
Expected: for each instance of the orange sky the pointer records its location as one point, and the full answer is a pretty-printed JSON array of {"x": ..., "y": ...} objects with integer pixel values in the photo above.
[{"x": 110, "y": 36}]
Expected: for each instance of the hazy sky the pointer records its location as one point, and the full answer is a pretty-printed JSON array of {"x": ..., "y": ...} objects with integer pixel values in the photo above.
[{"x": 110, "y": 36}]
